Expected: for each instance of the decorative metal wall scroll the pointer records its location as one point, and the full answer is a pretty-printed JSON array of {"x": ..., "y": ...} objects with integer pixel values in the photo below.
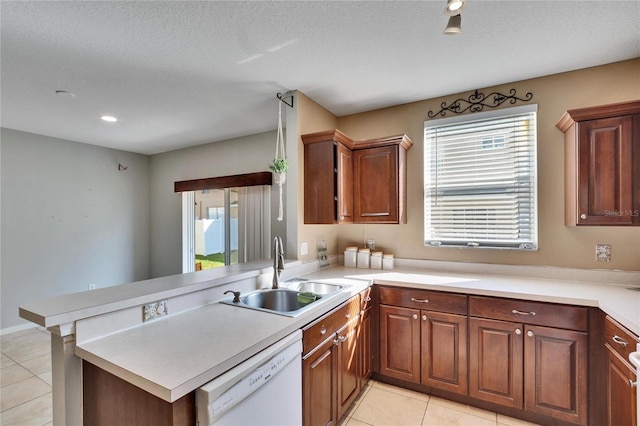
[{"x": 477, "y": 101}]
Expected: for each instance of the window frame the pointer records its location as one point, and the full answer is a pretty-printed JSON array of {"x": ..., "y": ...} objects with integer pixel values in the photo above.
[{"x": 510, "y": 189}]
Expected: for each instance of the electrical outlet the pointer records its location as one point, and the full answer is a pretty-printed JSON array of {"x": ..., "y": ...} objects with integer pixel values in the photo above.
[
  {"x": 603, "y": 252},
  {"x": 92, "y": 286},
  {"x": 154, "y": 310},
  {"x": 304, "y": 248}
]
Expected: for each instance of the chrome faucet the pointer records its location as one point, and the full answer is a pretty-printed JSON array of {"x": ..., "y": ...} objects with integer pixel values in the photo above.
[{"x": 278, "y": 261}]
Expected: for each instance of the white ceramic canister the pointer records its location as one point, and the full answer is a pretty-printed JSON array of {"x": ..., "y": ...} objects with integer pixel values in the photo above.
[
  {"x": 364, "y": 256},
  {"x": 376, "y": 260},
  {"x": 350, "y": 254},
  {"x": 387, "y": 261}
]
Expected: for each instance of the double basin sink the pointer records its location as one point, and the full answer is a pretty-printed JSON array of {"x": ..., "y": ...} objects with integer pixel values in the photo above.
[{"x": 291, "y": 300}]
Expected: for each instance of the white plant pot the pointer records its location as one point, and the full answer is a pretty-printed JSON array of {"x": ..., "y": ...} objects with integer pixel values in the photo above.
[{"x": 280, "y": 177}]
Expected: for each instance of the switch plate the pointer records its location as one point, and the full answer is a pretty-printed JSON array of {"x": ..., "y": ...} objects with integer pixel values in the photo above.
[
  {"x": 92, "y": 286},
  {"x": 603, "y": 252},
  {"x": 154, "y": 310},
  {"x": 304, "y": 248}
]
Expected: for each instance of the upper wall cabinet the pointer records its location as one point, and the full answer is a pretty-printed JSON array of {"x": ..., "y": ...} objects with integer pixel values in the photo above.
[
  {"x": 380, "y": 176},
  {"x": 602, "y": 164},
  {"x": 328, "y": 177},
  {"x": 347, "y": 181}
]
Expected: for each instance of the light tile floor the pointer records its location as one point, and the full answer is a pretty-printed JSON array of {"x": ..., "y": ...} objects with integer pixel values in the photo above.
[
  {"x": 25, "y": 394},
  {"x": 25, "y": 378}
]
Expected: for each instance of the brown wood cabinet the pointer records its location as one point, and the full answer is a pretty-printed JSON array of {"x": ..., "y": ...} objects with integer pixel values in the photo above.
[
  {"x": 347, "y": 181},
  {"x": 524, "y": 363},
  {"x": 621, "y": 377},
  {"x": 379, "y": 169},
  {"x": 427, "y": 345},
  {"x": 331, "y": 371},
  {"x": 110, "y": 400},
  {"x": 328, "y": 177},
  {"x": 602, "y": 164}
]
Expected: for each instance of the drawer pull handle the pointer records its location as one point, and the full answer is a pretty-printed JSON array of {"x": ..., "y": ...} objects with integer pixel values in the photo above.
[
  {"x": 413, "y": 299},
  {"x": 515, "y": 311},
  {"x": 619, "y": 340},
  {"x": 415, "y": 316}
]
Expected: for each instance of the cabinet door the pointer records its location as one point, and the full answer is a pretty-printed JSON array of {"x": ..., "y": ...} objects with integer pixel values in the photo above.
[
  {"x": 319, "y": 386},
  {"x": 556, "y": 373},
  {"x": 496, "y": 361},
  {"x": 344, "y": 181},
  {"x": 444, "y": 351},
  {"x": 621, "y": 395},
  {"x": 400, "y": 343},
  {"x": 348, "y": 367},
  {"x": 376, "y": 189},
  {"x": 605, "y": 181},
  {"x": 364, "y": 345}
]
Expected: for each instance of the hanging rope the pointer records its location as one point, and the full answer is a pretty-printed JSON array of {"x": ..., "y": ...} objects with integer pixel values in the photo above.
[{"x": 280, "y": 177}]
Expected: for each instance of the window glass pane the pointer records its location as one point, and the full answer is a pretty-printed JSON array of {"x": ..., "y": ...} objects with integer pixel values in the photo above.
[{"x": 480, "y": 181}]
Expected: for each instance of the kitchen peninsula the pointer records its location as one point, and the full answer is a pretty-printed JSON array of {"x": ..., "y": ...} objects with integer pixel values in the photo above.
[{"x": 171, "y": 356}]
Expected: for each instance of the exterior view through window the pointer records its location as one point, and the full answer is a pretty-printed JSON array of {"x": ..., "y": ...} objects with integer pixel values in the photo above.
[
  {"x": 480, "y": 180},
  {"x": 216, "y": 228}
]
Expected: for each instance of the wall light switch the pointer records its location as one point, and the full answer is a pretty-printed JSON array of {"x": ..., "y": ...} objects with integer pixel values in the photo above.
[
  {"x": 603, "y": 252},
  {"x": 304, "y": 248}
]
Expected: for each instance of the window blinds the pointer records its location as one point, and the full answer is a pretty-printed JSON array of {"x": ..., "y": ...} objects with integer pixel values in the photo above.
[{"x": 480, "y": 181}]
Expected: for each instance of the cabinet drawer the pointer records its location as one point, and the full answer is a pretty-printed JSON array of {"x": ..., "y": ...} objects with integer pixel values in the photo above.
[
  {"x": 326, "y": 326},
  {"x": 424, "y": 299},
  {"x": 621, "y": 340},
  {"x": 527, "y": 312}
]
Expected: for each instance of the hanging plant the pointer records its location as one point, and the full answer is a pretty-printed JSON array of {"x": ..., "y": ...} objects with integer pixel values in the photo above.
[{"x": 279, "y": 165}]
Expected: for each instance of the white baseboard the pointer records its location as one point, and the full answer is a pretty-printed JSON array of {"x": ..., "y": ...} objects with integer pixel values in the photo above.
[{"x": 17, "y": 328}]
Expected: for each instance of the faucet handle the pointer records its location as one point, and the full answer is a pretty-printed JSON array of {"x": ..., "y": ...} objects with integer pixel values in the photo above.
[{"x": 236, "y": 295}]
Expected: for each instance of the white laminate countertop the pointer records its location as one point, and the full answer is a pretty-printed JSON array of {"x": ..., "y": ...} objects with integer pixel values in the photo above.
[{"x": 171, "y": 356}]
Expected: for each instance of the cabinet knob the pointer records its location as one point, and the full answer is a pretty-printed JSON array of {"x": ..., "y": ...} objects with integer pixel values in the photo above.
[
  {"x": 323, "y": 330},
  {"x": 415, "y": 316},
  {"x": 632, "y": 383},
  {"x": 424, "y": 318},
  {"x": 583, "y": 216},
  {"x": 530, "y": 333},
  {"x": 518, "y": 331}
]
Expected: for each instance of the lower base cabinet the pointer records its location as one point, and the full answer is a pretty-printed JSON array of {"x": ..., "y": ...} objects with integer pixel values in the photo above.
[
  {"x": 331, "y": 366},
  {"x": 536, "y": 368}
]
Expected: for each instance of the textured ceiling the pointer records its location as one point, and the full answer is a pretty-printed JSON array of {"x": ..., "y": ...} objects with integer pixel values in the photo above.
[{"x": 181, "y": 73}]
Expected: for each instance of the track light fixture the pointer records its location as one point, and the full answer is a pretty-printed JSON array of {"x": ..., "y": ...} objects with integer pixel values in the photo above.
[
  {"x": 453, "y": 26},
  {"x": 453, "y": 9}
]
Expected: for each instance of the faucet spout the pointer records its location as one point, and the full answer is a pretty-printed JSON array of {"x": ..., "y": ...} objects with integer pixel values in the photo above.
[{"x": 278, "y": 261}]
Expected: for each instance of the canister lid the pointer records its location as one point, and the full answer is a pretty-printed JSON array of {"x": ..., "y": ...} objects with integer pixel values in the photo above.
[
  {"x": 364, "y": 250},
  {"x": 351, "y": 249},
  {"x": 376, "y": 253},
  {"x": 388, "y": 256}
]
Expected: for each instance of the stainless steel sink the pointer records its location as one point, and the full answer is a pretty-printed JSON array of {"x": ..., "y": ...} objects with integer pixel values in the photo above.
[
  {"x": 281, "y": 300},
  {"x": 291, "y": 301}
]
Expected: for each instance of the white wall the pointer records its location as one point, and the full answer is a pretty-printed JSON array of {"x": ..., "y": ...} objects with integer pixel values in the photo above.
[
  {"x": 69, "y": 219},
  {"x": 231, "y": 157}
]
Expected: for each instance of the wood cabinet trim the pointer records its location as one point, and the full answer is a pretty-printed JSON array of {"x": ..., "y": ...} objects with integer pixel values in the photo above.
[
  {"x": 570, "y": 117},
  {"x": 326, "y": 136}
]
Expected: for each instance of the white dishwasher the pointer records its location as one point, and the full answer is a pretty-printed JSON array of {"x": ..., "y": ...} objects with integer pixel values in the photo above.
[{"x": 264, "y": 390}]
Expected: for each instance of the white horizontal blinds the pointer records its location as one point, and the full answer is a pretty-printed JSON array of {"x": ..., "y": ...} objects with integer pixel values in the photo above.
[{"x": 480, "y": 182}]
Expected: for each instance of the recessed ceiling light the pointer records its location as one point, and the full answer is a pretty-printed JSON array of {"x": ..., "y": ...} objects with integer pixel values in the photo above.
[{"x": 108, "y": 118}]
